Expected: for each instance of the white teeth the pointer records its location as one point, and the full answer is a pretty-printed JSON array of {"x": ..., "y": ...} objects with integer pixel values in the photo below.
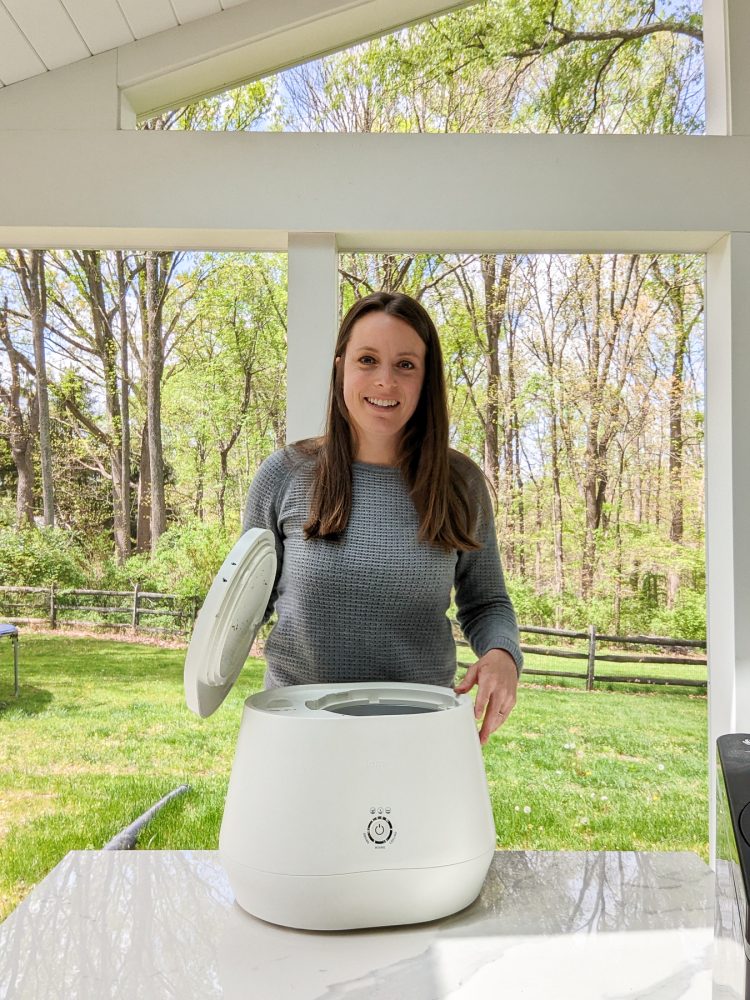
[{"x": 382, "y": 402}]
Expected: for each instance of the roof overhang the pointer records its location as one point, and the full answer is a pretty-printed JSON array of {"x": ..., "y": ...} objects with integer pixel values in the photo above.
[{"x": 223, "y": 50}]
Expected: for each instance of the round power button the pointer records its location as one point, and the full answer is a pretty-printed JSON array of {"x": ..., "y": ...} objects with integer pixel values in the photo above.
[{"x": 379, "y": 830}]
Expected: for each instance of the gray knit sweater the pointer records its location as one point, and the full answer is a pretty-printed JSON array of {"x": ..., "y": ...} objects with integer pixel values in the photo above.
[{"x": 372, "y": 605}]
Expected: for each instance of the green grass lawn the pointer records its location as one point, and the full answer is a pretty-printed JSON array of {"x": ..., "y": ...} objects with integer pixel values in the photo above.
[{"x": 100, "y": 731}]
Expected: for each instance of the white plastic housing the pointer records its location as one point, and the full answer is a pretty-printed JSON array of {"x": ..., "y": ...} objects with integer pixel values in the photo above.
[{"x": 357, "y": 805}]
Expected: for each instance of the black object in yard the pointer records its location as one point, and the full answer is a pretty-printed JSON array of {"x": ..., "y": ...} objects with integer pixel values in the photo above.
[
  {"x": 127, "y": 838},
  {"x": 12, "y": 632}
]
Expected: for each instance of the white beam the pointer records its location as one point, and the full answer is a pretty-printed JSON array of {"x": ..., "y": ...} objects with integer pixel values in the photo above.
[
  {"x": 727, "y": 491},
  {"x": 312, "y": 320},
  {"x": 726, "y": 28},
  {"x": 253, "y": 40},
  {"x": 227, "y": 190}
]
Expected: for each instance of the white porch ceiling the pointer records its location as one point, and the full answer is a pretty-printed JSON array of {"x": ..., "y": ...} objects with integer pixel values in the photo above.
[
  {"x": 171, "y": 38},
  {"x": 40, "y": 35}
]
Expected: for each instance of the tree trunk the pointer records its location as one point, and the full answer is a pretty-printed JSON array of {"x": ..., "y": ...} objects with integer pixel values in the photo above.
[
  {"x": 492, "y": 321},
  {"x": 38, "y": 323},
  {"x": 538, "y": 564},
  {"x": 200, "y": 476},
  {"x": 124, "y": 548},
  {"x": 496, "y": 287},
  {"x": 223, "y": 476},
  {"x": 33, "y": 285},
  {"x": 676, "y": 292},
  {"x": 615, "y": 299},
  {"x": 557, "y": 514},
  {"x": 22, "y": 429},
  {"x": 143, "y": 529},
  {"x": 106, "y": 347},
  {"x": 155, "y": 369},
  {"x": 514, "y": 434},
  {"x": 23, "y": 461}
]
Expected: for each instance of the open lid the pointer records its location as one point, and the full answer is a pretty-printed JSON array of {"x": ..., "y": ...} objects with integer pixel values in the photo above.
[{"x": 229, "y": 621}]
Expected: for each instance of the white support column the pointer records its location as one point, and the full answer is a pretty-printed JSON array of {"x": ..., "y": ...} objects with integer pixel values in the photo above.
[
  {"x": 728, "y": 492},
  {"x": 312, "y": 323},
  {"x": 726, "y": 31}
]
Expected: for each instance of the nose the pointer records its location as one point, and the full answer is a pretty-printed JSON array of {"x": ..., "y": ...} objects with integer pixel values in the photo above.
[{"x": 385, "y": 376}]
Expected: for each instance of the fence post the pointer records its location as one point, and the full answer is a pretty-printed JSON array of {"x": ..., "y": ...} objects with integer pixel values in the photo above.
[
  {"x": 592, "y": 658},
  {"x": 136, "y": 589},
  {"x": 52, "y": 608},
  {"x": 194, "y": 610}
]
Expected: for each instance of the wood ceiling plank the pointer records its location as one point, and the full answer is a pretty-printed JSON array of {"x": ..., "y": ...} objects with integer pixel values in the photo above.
[
  {"x": 147, "y": 17},
  {"x": 192, "y": 10},
  {"x": 101, "y": 24},
  {"x": 18, "y": 60},
  {"x": 50, "y": 30}
]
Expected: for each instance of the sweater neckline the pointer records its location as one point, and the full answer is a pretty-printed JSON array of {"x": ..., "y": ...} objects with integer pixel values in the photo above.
[{"x": 374, "y": 466}]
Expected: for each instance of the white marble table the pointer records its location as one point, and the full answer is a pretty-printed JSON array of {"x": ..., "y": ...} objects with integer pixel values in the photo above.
[{"x": 547, "y": 926}]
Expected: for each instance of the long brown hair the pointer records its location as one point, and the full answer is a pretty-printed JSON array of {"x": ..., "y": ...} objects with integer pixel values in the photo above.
[{"x": 435, "y": 474}]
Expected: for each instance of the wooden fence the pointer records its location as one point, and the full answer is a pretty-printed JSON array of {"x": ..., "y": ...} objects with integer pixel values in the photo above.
[
  {"x": 129, "y": 609},
  {"x": 592, "y": 654},
  {"x": 113, "y": 609}
]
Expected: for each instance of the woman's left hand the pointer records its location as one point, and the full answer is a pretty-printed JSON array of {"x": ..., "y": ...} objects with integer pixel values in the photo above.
[{"x": 497, "y": 679}]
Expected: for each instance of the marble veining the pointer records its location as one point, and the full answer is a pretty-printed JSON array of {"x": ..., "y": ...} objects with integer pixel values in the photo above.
[{"x": 153, "y": 924}]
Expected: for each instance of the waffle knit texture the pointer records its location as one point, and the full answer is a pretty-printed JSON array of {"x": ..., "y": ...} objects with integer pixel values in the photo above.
[{"x": 372, "y": 605}]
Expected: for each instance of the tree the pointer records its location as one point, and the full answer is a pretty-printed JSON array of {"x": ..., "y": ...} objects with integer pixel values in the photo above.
[
  {"x": 123, "y": 285},
  {"x": 514, "y": 65},
  {"x": 226, "y": 385},
  {"x": 548, "y": 339},
  {"x": 683, "y": 294},
  {"x": 87, "y": 300},
  {"x": 153, "y": 285},
  {"x": 32, "y": 282},
  {"x": 21, "y": 425}
]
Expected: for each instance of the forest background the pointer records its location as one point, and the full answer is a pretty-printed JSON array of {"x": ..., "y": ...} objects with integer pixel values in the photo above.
[{"x": 139, "y": 391}]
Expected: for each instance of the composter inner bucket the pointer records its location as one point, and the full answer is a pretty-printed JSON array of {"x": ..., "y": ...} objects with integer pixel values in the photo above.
[
  {"x": 382, "y": 708},
  {"x": 385, "y": 699}
]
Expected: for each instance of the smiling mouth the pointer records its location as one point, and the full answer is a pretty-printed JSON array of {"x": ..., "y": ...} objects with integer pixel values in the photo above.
[{"x": 381, "y": 404}]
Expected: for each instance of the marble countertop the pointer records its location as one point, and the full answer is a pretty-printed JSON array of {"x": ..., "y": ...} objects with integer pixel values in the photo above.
[{"x": 164, "y": 924}]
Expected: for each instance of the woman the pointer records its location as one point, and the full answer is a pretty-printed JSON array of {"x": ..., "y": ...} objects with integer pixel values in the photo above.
[{"x": 376, "y": 522}]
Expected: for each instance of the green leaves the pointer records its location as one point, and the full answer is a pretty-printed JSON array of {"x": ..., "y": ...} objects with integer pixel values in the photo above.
[{"x": 515, "y": 65}]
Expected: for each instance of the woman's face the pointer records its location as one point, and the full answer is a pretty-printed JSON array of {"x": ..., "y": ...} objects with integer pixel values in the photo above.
[{"x": 384, "y": 364}]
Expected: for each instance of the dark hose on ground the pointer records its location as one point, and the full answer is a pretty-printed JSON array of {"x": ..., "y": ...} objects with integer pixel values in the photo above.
[{"x": 127, "y": 838}]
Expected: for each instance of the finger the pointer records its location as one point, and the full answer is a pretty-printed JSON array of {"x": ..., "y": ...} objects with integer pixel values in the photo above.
[
  {"x": 469, "y": 680},
  {"x": 481, "y": 700},
  {"x": 489, "y": 725},
  {"x": 494, "y": 718}
]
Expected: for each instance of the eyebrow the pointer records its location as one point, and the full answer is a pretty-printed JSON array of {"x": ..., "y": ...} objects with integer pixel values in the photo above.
[{"x": 374, "y": 350}]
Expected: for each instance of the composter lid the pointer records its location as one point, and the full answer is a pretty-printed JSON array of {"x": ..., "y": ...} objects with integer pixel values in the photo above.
[{"x": 229, "y": 621}]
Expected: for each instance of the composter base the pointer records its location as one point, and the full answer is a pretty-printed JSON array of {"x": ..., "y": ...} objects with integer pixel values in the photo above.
[{"x": 358, "y": 899}]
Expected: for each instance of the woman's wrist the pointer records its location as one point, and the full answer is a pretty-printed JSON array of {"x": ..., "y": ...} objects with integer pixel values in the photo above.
[{"x": 499, "y": 656}]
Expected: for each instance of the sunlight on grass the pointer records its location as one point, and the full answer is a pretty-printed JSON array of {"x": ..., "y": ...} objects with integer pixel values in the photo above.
[{"x": 101, "y": 731}]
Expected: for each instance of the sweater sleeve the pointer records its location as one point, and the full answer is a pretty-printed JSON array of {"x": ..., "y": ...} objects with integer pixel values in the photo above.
[
  {"x": 262, "y": 510},
  {"x": 485, "y": 611}
]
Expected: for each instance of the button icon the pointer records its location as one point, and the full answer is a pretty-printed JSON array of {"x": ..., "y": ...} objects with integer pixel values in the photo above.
[{"x": 379, "y": 830}]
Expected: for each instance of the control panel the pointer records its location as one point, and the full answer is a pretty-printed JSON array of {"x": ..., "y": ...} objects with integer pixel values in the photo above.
[{"x": 379, "y": 831}]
